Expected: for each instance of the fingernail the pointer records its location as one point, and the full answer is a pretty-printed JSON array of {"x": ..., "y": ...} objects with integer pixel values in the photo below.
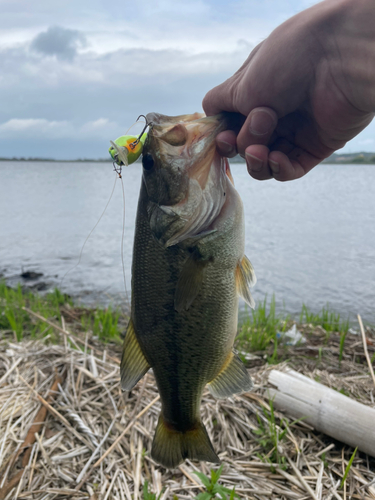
[
  {"x": 261, "y": 123},
  {"x": 275, "y": 167},
  {"x": 253, "y": 163},
  {"x": 225, "y": 147}
]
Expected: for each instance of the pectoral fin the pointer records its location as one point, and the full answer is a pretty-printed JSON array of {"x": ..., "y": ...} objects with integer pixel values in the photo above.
[
  {"x": 232, "y": 379},
  {"x": 245, "y": 278},
  {"x": 189, "y": 282},
  {"x": 133, "y": 363}
]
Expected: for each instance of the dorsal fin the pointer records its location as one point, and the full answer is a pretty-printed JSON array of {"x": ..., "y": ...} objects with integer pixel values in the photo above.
[{"x": 245, "y": 278}]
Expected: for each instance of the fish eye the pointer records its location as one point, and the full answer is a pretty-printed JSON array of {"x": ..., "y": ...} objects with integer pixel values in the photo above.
[{"x": 147, "y": 161}]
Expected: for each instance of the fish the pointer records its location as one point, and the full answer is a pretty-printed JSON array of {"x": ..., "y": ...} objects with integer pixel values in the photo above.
[{"x": 188, "y": 272}]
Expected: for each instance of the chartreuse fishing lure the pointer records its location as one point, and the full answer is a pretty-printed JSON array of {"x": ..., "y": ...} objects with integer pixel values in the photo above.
[{"x": 128, "y": 148}]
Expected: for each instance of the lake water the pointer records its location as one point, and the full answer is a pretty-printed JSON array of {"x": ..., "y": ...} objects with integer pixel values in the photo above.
[{"x": 310, "y": 241}]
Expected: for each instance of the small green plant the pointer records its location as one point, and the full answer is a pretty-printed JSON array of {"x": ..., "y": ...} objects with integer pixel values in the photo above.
[
  {"x": 259, "y": 330},
  {"x": 106, "y": 324},
  {"x": 213, "y": 489},
  {"x": 273, "y": 360},
  {"x": 344, "y": 392},
  {"x": 150, "y": 496},
  {"x": 271, "y": 435},
  {"x": 324, "y": 460},
  {"x": 342, "y": 343},
  {"x": 328, "y": 319},
  {"x": 347, "y": 470}
]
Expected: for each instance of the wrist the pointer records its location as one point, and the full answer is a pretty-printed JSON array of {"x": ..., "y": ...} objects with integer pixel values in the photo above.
[{"x": 350, "y": 29}]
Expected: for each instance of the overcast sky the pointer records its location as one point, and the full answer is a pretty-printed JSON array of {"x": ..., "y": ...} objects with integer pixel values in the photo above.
[{"x": 75, "y": 74}]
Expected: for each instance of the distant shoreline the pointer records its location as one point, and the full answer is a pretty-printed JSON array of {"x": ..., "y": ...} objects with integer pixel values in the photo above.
[
  {"x": 360, "y": 158},
  {"x": 53, "y": 160}
]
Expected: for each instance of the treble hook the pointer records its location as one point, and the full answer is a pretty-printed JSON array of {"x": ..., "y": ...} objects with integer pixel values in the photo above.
[
  {"x": 118, "y": 169},
  {"x": 148, "y": 124}
]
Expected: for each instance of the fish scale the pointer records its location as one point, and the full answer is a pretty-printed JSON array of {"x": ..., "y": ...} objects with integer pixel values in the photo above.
[{"x": 186, "y": 281}]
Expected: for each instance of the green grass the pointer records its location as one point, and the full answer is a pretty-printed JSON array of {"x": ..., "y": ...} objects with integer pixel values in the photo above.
[
  {"x": 104, "y": 323},
  {"x": 13, "y": 317},
  {"x": 342, "y": 343},
  {"x": 257, "y": 333},
  {"x": 260, "y": 328},
  {"x": 211, "y": 484},
  {"x": 270, "y": 435},
  {"x": 347, "y": 470},
  {"x": 327, "y": 319}
]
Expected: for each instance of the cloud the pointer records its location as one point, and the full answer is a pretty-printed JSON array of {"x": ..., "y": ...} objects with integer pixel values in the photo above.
[
  {"x": 60, "y": 42},
  {"x": 42, "y": 129},
  {"x": 71, "y": 87}
]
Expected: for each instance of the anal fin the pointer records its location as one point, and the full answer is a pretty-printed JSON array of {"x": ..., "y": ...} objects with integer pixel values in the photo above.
[
  {"x": 170, "y": 447},
  {"x": 133, "y": 362},
  {"x": 232, "y": 379},
  {"x": 245, "y": 278}
]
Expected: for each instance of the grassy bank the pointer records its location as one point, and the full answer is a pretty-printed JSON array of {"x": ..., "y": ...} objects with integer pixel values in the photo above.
[
  {"x": 17, "y": 307},
  {"x": 263, "y": 330},
  {"x": 250, "y": 434}
]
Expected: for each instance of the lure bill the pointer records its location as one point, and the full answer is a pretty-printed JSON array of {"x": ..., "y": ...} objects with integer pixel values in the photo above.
[{"x": 126, "y": 149}]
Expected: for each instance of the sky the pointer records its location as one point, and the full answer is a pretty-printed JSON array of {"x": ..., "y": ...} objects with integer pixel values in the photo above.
[{"x": 76, "y": 74}]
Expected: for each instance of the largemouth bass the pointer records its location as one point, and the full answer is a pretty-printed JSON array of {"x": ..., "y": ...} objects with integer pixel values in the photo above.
[{"x": 188, "y": 271}]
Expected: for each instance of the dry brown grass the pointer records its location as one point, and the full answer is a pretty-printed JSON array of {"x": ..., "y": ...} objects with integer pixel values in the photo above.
[{"x": 81, "y": 450}]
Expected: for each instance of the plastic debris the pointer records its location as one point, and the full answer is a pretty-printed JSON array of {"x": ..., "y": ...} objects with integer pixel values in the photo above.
[{"x": 291, "y": 337}]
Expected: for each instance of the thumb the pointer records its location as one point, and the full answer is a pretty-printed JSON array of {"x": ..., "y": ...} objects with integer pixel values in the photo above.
[{"x": 257, "y": 129}]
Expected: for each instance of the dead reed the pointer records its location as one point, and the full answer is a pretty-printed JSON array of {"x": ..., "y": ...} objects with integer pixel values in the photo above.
[{"x": 68, "y": 432}]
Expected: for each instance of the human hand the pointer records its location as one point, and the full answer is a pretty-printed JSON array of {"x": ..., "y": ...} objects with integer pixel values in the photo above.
[{"x": 305, "y": 91}]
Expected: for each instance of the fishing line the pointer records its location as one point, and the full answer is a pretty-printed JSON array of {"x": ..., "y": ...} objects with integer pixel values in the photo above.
[
  {"x": 122, "y": 240},
  {"x": 123, "y": 214},
  {"x": 118, "y": 172},
  {"x": 123, "y": 220},
  {"x": 90, "y": 233}
]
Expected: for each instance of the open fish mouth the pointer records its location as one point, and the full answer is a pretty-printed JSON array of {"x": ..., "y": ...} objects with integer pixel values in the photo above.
[
  {"x": 208, "y": 204},
  {"x": 187, "y": 144}
]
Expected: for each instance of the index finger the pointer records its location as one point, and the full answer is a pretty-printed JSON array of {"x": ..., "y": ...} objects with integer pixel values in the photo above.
[{"x": 220, "y": 98}]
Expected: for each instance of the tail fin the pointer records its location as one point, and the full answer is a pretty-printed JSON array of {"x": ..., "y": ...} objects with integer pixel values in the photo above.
[{"x": 171, "y": 447}]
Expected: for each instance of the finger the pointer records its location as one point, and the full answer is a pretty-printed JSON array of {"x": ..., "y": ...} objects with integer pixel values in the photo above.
[
  {"x": 257, "y": 129},
  {"x": 226, "y": 96},
  {"x": 285, "y": 168},
  {"x": 220, "y": 98},
  {"x": 226, "y": 143},
  {"x": 256, "y": 157}
]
